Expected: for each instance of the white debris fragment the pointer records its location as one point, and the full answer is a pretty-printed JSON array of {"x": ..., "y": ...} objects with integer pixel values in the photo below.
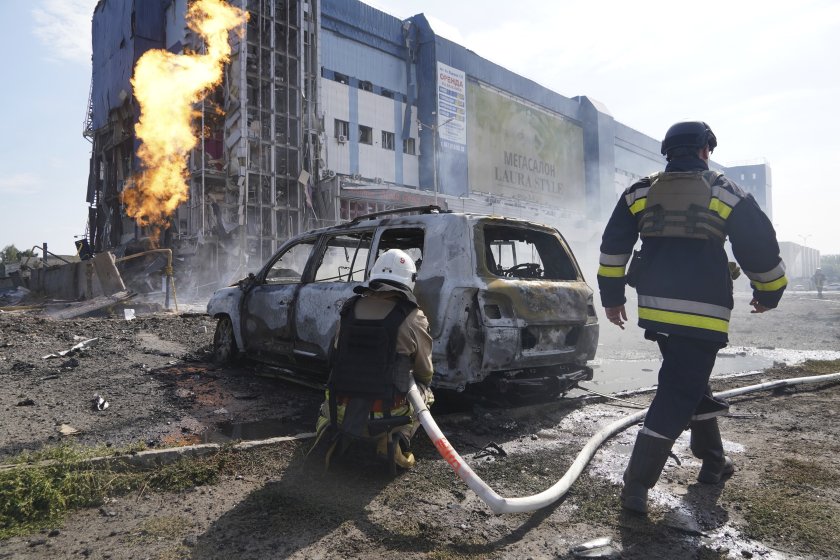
[
  {"x": 99, "y": 402},
  {"x": 83, "y": 345}
]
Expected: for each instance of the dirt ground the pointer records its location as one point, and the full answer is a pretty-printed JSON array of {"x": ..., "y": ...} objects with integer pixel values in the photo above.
[{"x": 162, "y": 389}]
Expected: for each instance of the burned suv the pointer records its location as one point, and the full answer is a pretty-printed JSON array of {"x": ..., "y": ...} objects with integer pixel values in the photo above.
[{"x": 508, "y": 308}]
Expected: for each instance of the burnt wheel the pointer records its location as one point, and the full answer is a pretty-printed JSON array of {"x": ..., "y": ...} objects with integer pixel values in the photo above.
[{"x": 224, "y": 343}]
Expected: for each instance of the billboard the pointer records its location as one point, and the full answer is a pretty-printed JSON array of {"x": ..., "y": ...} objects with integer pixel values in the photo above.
[
  {"x": 520, "y": 151},
  {"x": 451, "y": 108}
]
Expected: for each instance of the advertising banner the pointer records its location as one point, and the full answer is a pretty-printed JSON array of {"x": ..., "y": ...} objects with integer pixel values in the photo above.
[
  {"x": 451, "y": 108},
  {"x": 519, "y": 151}
]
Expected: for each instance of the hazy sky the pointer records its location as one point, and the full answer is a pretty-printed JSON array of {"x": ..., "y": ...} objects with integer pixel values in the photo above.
[{"x": 762, "y": 74}]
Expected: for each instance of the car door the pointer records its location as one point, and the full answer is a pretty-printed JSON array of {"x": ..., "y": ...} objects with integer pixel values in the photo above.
[
  {"x": 267, "y": 328},
  {"x": 340, "y": 264}
]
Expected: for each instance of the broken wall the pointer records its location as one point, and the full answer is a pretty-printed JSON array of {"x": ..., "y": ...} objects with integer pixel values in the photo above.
[{"x": 81, "y": 280}]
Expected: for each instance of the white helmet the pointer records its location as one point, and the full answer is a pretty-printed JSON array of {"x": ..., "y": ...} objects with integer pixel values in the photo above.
[{"x": 394, "y": 265}]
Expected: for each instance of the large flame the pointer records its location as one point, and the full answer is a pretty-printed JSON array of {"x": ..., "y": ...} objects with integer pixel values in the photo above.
[{"x": 167, "y": 86}]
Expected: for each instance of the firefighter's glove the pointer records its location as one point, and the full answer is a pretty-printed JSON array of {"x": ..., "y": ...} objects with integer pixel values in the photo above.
[{"x": 734, "y": 270}]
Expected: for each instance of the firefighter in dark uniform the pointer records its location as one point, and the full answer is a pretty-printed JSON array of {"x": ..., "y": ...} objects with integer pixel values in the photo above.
[
  {"x": 684, "y": 284},
  {"x": 382, "y": 327}
]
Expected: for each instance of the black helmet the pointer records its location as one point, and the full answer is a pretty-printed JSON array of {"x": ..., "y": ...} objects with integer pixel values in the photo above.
[{"x": 690, "y": 134}]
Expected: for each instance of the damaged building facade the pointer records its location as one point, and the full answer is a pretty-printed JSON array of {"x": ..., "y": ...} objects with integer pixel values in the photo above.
[{"x": 330, "y": 109}]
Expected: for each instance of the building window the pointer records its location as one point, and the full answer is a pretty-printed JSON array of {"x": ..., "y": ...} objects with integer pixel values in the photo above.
[
  {"x": 408, "y": 146},
  {"x": 342, "y": 130},
  {"x": 743, "y": 176},
  {"x": 365, "y": 134},
  {"x": 341, "y": 78},
  {"x": 365, "y": 85},
  {"x": 387, "y": 140},
  {"x": 387, "y": 93},
  {"x": 753, "y": 176}
]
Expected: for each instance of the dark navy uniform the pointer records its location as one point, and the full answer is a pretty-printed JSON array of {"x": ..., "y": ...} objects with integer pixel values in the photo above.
[{"x": 683, "y": 283}]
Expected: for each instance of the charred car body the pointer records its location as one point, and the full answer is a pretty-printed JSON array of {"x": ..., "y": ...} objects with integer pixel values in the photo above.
[{"x": 508, "y": 308}]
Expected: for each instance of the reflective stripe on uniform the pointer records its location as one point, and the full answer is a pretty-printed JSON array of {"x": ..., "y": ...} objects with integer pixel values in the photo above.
[
  {"x": 684, "y": 319},
  {"x": 773, "y": 274},
  {"x": 611, "y": 271},
  {"x": 725, "y": 196},
  {"x": 685, "y": 306},
  {"x": 638, "y": 206},
  {"x": 723, "y": 201},
  {"x": 637, "y": 199},
  {"x": 770, "y": 286},
  {"x": 769, "y": 281},
  {"x": 720, "y": 208},
  {"x": 614, "y": 260},
  {"x": 686, "y": 313}
]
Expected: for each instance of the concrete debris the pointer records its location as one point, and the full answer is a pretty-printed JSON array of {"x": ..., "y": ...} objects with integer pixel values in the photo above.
[
  {"x": 12, "y": 297},
  {"x": 80, "y": 309},
  {"x": 67, "y": 430},
  {"x": 106, "y": 271}
]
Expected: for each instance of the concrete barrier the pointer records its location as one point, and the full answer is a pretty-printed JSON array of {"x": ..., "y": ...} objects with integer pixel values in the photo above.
[{"x": 79, "y": 280}]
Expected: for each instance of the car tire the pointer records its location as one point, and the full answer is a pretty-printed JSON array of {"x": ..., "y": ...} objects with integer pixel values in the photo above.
[{"x": 225, "y": 350}]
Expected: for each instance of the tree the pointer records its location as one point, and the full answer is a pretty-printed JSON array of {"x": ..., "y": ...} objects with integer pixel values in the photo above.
[{"x": 11, "y": 254}]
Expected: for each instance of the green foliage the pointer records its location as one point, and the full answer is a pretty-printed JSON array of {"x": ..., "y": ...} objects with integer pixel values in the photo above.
[
  {"x": 33, "y": 496},
  {"x": 821, "y": 367},
  {"x": 11, "y": 254},
  {"x": 48, "y": 484},
  {"x": 791, "y": 504}
]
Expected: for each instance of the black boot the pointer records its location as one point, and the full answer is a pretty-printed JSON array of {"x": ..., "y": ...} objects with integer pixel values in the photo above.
[
  {"x": 707, "y": 446},
  {"x": 646, "y": 463}
]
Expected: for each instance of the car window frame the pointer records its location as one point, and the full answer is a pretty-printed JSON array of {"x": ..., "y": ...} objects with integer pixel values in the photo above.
[
  {"x": 317, "y": 254},
  {"x": 537, "y": 228},
  {"x": 382, "y": 229},
  {"x": 314, "y": 239}
]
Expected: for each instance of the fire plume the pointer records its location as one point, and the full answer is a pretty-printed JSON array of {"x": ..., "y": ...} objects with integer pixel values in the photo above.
[{"x": 167, "y": 86}]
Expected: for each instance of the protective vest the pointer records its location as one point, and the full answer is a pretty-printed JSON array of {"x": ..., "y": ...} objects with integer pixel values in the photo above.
[
  {"x": 679, "y": 204},
  {"x": 366, "y": 362}
]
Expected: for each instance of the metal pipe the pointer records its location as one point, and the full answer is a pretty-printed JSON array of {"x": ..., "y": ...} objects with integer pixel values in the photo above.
[
  {"x": 44, "y": 254},
  {"x": 168, "y": 271}
]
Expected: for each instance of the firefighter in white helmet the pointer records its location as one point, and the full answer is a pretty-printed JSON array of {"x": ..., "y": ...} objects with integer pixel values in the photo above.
[{"x": 381, "y": 331}]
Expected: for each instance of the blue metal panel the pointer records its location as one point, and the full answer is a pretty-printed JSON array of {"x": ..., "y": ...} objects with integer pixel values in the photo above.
[
  {"x": 482, "y": 69},
  {"x": 355, "y": 59},
  {"x": 398, "y": 145},
  {"x": 599, "y": 158},
  {"x": 636, "y": 138},
  {"x": 364, "y": 24},
  {"x": 122, "y": 32},
  {"x": 425, "y": 69},
  {"x": 149, "y": 19},
  {"x": 354, "y": 126},
  {"x": 112, "y": 57}
]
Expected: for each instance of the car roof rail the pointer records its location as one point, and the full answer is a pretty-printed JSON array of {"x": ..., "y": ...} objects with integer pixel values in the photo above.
[{"x": 430, "y": 209}]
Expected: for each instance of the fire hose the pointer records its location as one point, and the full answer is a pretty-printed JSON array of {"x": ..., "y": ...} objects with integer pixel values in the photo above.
[{"x": 499, "y": 504}]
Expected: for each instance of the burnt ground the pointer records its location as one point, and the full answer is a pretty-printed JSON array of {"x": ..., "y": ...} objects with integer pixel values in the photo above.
[{"x": 156, "y": 374}]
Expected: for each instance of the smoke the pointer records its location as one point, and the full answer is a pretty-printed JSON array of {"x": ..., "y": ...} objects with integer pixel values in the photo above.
[{"x": 166, "y": 87}]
